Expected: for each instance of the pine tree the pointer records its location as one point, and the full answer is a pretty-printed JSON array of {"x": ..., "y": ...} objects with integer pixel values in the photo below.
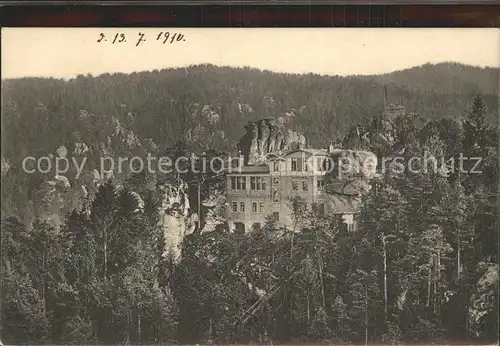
[
  {"x": 475, "y": 126},
  {"x": 102, "y": 223}
]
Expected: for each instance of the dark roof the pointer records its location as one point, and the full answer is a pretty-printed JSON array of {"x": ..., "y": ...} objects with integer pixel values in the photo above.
[{"x": 249, "y": 169}]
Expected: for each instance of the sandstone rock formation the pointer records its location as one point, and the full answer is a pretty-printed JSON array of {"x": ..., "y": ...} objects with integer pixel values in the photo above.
[
  {"x": 381, "y": 136},
  {"x": 265, "y": 136},
  {"x": 214, "y": 217},
  {"x": 175, "y": 219},
  {"x": 5, "y": 166},
  {"x": 482, "y": 300},
  {"x": 52, "y": 199},
  {"x": 350, "y": 164},
  {"x": 349, "y": 179},
  {"x": 80, "y": 149},
  {"x": 139, "y": 202}
]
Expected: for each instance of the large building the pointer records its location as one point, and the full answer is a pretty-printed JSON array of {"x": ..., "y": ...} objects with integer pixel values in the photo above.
[{"x": 255, "y": 192}]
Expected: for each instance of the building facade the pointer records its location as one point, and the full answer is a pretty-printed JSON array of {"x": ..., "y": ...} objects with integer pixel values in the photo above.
[{"x": 255, "y": 192}]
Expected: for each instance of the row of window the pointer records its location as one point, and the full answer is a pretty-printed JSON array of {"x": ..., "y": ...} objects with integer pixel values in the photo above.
[
  {"x": 295, "y": 185},
  {"x": 256, "y": 183},
  {"x": 238, "y": 183},
  {"x": 299, "y": 164},
  {"x": 260, "y": 183},
  {"x": 242, "y": 207},
  {"x": 320, "y": 184}
]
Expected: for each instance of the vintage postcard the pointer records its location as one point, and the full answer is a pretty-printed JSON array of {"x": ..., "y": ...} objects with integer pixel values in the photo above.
[{"x": 249, "y": 186}]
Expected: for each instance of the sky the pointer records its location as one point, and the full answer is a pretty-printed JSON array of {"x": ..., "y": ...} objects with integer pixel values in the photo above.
[{"x": 67, "y": 52}]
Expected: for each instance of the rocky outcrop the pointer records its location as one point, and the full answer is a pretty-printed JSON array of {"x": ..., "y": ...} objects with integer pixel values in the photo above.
[
  {"x": 205, "y": 130},
  {"x": 482, "y": 300},
  {"x": 52, "y": 199},
  {"x": 215, "y": 205},
  {"x": 381, "y": 136},
  {"x": 5, "y": 166},
  {"x": 175, "y": 219},
  {"x": 351, "y": 164},
  {"x": 210, "y": 114},
  {"x": 80, "y": 149},
  {"x": 265, "y": 136},
  {"x": 139, "y": 202},
  {"x": 349, "y": 179},
  {"x": 244, "y": 108}
]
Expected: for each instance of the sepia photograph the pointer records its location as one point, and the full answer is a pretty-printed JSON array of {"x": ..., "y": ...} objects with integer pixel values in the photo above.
[{"x": 257, "y": 186}]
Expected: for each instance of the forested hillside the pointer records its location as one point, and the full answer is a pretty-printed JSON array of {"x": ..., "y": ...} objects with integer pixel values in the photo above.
[
  {"x": 447, "y": 78},
  {"x": 202, "y": 107},
  {"x": 174, "y": 104},
  {"x": 84, "y": 258}
]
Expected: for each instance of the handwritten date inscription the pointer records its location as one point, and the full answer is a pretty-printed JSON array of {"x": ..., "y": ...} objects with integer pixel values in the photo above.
[{"x": 163, "y": 37}]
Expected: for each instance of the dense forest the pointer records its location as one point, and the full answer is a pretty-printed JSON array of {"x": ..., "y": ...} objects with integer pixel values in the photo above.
[{"x": 422, "y": 267}]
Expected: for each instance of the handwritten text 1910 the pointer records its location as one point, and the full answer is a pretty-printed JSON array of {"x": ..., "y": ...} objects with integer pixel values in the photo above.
[{"x": 163, "y": 37}]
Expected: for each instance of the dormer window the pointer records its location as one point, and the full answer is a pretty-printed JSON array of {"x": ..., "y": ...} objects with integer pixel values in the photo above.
[
  {"x": 276, "y": 166},
  {"x": 294, "y": 165}
]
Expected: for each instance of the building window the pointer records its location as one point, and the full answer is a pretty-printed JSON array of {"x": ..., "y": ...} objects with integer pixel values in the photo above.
[
  {"x": 235, "y": 206},
  {"x": 261, "y": 207},
  {"x": 304, "y": 185},
  {"x": 238, "y": 183},
  {"x": 320, "y": 183},
  {"x": 320, "y": 164},
  {"x": 242, "y": 207},
  {"x": 295, "y": 185},
  {"x": 276, "y": 197},
  {"x": 256, "y": 225},
  {"x": 241, "y": 183},
  {"x": 328, "y": 165},
  {"x": 276, "y": 216},
  {"x": 258, "y": 183},
  {"x": 306, "y": 164},
  {"x": 254, "y": 207},
  {"x": 321, "y": 209},
  {"x": 276, "y": 166},
  {"x": 294, "y": 165},
  {"x": 239, "y": 227}
]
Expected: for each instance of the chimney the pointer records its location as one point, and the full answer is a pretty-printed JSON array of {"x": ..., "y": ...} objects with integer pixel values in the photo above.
[
  {"x": 330, "y": 148},
  {"x": 241, "y": 159}
]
